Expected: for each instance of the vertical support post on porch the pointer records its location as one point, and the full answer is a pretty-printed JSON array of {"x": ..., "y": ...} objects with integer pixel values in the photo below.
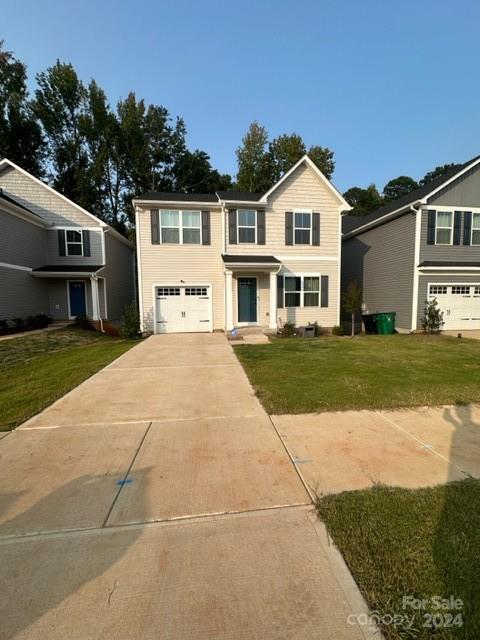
[
  {"x": 228, "y": 301},
  {"x": 273, "y": 301},
  {"x": 94, "y": 291}
]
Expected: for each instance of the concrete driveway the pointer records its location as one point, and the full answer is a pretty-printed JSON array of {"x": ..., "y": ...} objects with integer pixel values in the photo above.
[{"x": 156, "y": 500}]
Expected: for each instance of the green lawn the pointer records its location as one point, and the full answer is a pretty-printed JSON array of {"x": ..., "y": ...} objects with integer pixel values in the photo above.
[
  {"x": 421, "y": 543},
  {"x": 36, "y": 370},
  {"x": 297, "y": 375}
]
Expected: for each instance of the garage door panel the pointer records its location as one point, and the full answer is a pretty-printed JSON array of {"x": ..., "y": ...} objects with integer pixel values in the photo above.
[
  {"x": 181, "y": 309},
  {"x": 460, "y": 304}
]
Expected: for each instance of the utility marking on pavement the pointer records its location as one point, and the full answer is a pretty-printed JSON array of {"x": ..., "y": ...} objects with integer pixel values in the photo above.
[
  {"x": 125, "y": 478},
  {"x": 423, "y": 444},
  {"x": 125, "y": 481}
]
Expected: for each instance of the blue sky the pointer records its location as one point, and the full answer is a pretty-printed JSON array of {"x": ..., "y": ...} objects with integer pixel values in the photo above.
[{"x": 391, "y": 87}]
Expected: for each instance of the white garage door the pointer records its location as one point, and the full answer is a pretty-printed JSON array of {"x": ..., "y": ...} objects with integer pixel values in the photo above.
[
  {"x": 460, "y": 304},
  {"x": 180, "y": 309}
]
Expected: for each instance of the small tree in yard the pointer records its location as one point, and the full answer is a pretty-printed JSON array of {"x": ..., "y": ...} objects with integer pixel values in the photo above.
[
  {"x": 130, "y": 322},
  {"x": 352, "y": 301},
  {"x": 432, "y": 320}
]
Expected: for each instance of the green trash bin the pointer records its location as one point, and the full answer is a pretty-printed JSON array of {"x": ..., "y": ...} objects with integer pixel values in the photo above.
[{"x": 385, "y": 323}]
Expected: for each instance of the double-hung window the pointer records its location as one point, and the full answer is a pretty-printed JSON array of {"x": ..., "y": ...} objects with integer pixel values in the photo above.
[
  {"x": 444, "y": 227},
  {"x": 180, "y": 227},
  {"x": 73, "y": 242},
  {"x": 302, "y": 291},
  {"x": 476, "y": 228},
  {"x": 302, "y": 227},
  {"x": 247, "y": 226}
]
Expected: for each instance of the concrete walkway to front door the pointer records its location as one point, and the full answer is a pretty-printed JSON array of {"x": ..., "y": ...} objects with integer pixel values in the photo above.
[{"x": 156, "y": 501}]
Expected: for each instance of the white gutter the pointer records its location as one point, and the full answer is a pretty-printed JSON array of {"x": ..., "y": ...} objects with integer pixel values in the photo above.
[{"x": 175, "y": 203}]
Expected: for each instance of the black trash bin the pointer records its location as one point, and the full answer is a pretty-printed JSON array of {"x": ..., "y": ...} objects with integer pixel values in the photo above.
[{"x": 369, "y": 323}]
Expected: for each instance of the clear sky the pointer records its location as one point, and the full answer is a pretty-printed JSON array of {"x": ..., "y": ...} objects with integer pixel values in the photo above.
[{"x": 391, "y": 87}]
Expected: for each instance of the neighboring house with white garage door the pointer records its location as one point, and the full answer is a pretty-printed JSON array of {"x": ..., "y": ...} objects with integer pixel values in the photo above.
[
  {"x": 222, "y": 260},
  {"x": 425, "y": 245},
  {"x": 57, "y": 258}
]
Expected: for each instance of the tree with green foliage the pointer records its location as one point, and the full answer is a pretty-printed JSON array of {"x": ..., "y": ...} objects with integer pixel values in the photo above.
[
  {"x": 438, "y": 172},
  {"x": 60, "y": 100},
  {"x": 194, "y": 173},
  {"x": 254, "y": 172},
  {"x": 284, "y": 152},
  {"x": 363, "y": 201},
  {"x": 352, "y": 301},
  {"x": 398, "y": 187},
  {"x": 21, "y": 138},
  {"x": 432, "y": 320},
  {"x": 323, "y": 158}
]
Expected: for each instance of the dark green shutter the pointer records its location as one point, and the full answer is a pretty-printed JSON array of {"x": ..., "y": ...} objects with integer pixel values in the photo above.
[
  {"x": 279, "y": 292},
  {"x": 205, "y": 227},
  {"x": 260, "y": 226},
  {"x": 324, "y": 291},
  {"x": 86, "y": 243},
  {"x": 316, "y": 229},
  {"x": 467, "y": 227},
  {"x": 431, "y": 226},
  {"x": 61, "y": 242},
  {"x": 232, "y": 226},
  {"x": 154, "y": 226},
  {"x": 289, "y": 227},
  {"x": 457, "y": 227}
]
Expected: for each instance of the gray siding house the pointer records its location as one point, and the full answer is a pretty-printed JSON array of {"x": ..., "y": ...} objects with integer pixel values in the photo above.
[
  {"x": 425, "y": 245},
  {"x": 55, "y": 257}
]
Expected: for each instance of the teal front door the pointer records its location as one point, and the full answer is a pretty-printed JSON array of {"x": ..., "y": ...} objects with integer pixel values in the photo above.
[{"x": 247, "y": 299}]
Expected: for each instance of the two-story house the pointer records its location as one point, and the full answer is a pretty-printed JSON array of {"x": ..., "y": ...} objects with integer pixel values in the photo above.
[
  {"x": 57, "y": 258},
  {"x": 222, "y": 260},
  {"x": 425, "y": 245}
]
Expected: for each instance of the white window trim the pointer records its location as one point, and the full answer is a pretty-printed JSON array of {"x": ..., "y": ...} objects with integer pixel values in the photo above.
[
  {"x": 302, "y": 291},
  {"x": 437, "y": 227},
  {"x": 243, "y": 226},
  {"x": 180, "y": 227},
  {"x": 310, "y": 212},
  {"x": 472, "y": 243},
  {"x": 74, "y": 255}
]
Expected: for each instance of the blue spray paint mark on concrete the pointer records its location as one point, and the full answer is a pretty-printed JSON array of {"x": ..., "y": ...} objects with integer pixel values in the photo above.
[{"x": 124, "y": 481}]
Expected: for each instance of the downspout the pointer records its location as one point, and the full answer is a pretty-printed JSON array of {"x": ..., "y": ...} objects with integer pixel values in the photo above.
[
  {"x": 418, "y": 232},
  {"x": 95, "y": 278}
]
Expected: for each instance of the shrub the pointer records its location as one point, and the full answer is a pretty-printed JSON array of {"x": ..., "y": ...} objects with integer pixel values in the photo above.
[
  {"x": 338, "y": 330},
  {"x": 18, "y": 323},
  {"x": 130, "y": 322},
  {"x": 40, "y": 321},
  {"x": 319, "y": 331},
  {"x": 83, "y": 322},
  {"x": 288, "y": 329},
  {"x": 432, "y": 320}
]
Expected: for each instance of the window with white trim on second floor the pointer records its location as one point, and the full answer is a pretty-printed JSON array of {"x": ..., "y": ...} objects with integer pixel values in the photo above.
[
  {"x": 476, "y": 228},
  {"x": 247, "y": 226},
  {"x": 444, "y": 227},
  {"x": 302, "y": 227},
  {"x": 180, "y": 227},
  {"x": 302, "y": 291},
  {"x": 73, "y": 242}
]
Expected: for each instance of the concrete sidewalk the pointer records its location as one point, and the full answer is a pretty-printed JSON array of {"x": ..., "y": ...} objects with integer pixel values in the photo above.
[{"x": 156, "y": 500}]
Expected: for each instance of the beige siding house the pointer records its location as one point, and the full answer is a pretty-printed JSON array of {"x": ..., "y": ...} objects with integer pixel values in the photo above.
[{"x": 218, "y": 261}]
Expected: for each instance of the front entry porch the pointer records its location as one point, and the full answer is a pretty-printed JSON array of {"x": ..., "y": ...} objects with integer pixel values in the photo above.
[{"x": 251, "y": 292}]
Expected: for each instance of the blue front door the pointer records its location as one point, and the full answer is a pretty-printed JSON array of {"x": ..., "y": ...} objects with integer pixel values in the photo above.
[
  {"x": 247, "y": 299},
  {"x": 76, "y": 291}
]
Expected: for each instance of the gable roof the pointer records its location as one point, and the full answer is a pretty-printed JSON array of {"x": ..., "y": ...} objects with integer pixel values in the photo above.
[
  {"x": 354, "y": 223},
  {"x": 241, "y": 196},
  {"x": 8, "y": 163},
  {"x": 309, "y": 162}
]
